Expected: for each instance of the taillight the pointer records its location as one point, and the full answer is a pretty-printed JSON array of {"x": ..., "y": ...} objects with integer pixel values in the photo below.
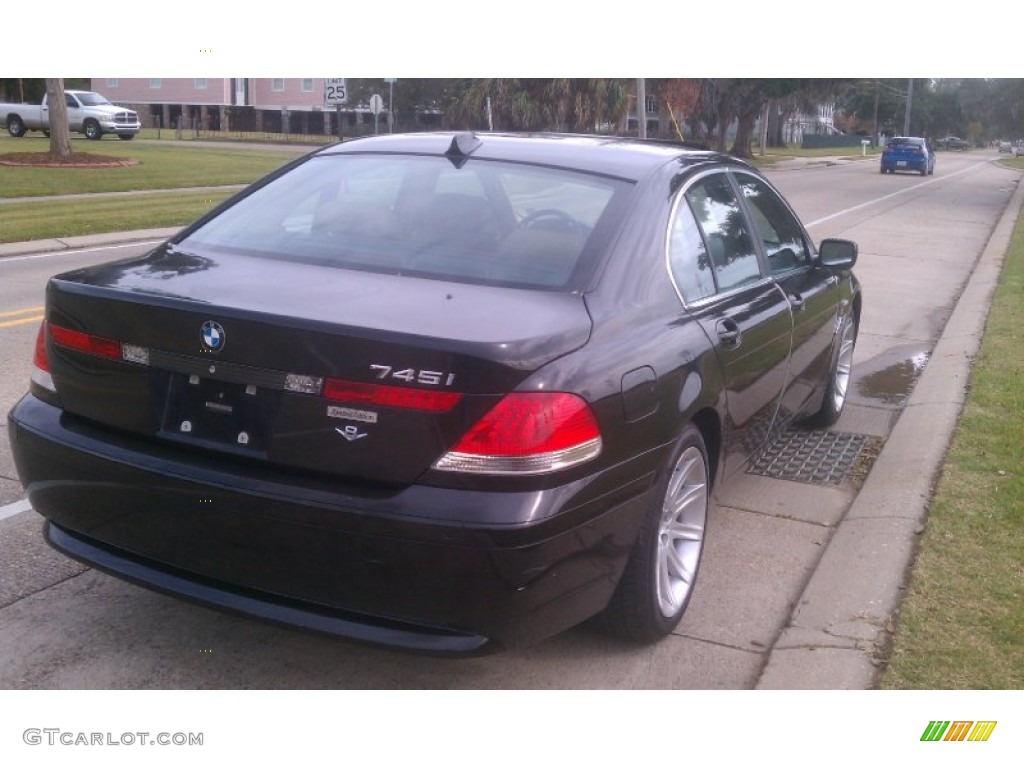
[
  {"x": 84, "y": 342},
  {"x": 40, "y": 365},
  {"x": 429, "y": 400},
  {"x": 527, "y": 433}
]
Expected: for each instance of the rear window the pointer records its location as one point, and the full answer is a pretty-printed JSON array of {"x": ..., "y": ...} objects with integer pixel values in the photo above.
[
  {"x": 485, "y": 222},
  {"x": 904, "y": 142}
]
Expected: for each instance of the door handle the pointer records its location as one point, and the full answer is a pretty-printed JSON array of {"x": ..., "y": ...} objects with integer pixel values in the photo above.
[
  {"x": 796, "y": 301},
  {"x": 729, "y": 333}
]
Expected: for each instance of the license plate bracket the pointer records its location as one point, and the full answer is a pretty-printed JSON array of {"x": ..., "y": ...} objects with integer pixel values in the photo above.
[{"x": 211, "y": 411}]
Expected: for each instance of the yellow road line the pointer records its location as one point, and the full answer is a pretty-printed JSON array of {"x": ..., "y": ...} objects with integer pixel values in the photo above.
[
  {"x": 33, "y": 310},
  {"x": 23, "y": 321}
]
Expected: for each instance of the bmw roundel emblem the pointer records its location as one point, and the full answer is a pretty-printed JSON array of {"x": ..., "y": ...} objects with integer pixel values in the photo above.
[{"x": 213, "y": 336}]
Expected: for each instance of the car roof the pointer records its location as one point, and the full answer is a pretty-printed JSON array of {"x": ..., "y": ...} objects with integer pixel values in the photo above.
[{"x": 616, "y": 156}]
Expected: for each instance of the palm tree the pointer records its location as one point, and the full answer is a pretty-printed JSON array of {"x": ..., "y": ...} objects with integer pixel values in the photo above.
[{"x": 575, "y": 105}]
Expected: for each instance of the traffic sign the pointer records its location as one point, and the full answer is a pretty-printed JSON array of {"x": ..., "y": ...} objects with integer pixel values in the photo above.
[
  {"x": 376, "y": 104},
  {"x": 335, "y": 91}
]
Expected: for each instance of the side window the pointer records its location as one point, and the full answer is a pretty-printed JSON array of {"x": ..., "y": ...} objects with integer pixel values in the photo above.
[
  {"x": 721, "y": 220},
  {"x": 687, "y": 257},
  {"x": 69, "y": 100},
  {"x": 783, "y": 240}
]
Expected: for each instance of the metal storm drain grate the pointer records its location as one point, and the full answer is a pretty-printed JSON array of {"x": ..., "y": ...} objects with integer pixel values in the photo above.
[{"x": 810, "y": 456}]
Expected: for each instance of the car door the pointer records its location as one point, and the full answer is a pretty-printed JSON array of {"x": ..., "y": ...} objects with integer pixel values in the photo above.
[
  {"x": 75, "y": 112},
  {"x": 721, "y": 278},
  {"x": 811, "y": 290}
]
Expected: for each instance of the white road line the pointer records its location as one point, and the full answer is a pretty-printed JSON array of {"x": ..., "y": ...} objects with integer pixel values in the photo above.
[
  {"x": 893, "y": 194},
  {"x": 10, "y": 510},
  {"x": 6, "y": 259}
]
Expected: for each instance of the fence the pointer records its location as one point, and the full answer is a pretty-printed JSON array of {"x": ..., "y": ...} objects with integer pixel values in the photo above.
[{"x": 825, "y": 141}]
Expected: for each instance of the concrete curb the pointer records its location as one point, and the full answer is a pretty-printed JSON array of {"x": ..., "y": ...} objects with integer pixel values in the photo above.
[
  {"x": 811, "y": 163},
  {"x": 844, "y": 615},
  {"x": 83, "y": 242}
]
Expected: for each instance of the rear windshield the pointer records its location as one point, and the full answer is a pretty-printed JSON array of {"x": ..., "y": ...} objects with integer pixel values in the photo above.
[
  {"x": 904, "y": 142},
  {"x": 484, "y": 222}
]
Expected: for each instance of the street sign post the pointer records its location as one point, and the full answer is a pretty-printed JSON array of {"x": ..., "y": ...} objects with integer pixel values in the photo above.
[
  {"x": 376, "y": 106},
  {"x": 336, "y": 94}
]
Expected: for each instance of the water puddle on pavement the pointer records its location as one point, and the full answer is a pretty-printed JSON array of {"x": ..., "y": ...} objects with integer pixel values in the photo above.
[{"x": 890, "y": 381}]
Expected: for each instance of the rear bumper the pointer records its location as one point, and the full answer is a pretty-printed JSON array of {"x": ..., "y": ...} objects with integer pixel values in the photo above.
[
  {"x": 406, "y": 568},
  {"x": 909, "y": 164}
]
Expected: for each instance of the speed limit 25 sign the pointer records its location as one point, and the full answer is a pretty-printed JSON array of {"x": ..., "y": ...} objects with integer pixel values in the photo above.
[{"x": 335, "y": 91}]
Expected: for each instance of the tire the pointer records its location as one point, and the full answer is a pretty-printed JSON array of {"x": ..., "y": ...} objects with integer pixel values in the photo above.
[
  {"x": 15, "y": 126},
  {"x": 924, "y": 170},
  {"x": 126, "y": 136},
  {"x": 92, "y": 130},
  {"x": 839, "y": 376},
  {"x": 659, "y": 578}
]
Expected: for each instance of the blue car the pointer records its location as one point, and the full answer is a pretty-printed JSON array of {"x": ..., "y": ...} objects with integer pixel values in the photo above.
[{"x": 908, "y": 153}]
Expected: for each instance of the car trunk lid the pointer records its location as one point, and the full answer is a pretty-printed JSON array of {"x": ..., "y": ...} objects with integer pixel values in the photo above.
[{"x": 358, "y": 374}]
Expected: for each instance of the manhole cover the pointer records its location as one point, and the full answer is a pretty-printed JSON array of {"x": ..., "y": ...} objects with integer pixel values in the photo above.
[{"x": 810, "y": 456}]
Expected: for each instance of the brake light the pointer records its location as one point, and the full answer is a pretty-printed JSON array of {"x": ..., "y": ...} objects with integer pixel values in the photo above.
[
  {"x": 527, "y": 433},
  {"x": 40, "y": 365},
  {"x": 84, "y": 342},
  {"x": 409, "y": 398}
]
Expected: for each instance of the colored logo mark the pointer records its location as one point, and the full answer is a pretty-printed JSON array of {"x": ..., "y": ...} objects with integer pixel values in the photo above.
[
  {"x": 958, "y": 730},
  {"x": 213, "y": 336}
]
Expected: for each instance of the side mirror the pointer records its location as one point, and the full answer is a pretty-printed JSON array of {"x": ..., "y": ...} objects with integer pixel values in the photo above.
[{"x": 838, "y": 254}]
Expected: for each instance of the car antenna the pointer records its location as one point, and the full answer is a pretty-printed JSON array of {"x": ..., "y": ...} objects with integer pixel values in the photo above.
[{"x": 462, "y": 146}]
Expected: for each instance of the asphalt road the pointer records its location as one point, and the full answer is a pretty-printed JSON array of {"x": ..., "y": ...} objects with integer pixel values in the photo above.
[{"x": 62, "y": 626}]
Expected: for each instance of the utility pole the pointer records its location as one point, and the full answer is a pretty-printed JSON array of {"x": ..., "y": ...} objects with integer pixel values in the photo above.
[
  {"x": 391, "y": 104},
  {"x": 874, "y": 133},
  {"x": 641, "y": 107},
  {"x": 910, "y": 97}
]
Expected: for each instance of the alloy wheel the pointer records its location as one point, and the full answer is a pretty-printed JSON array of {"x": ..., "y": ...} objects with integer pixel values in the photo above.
[
  {"x": 844, "y": 365},
  {"x": 681, "y": 531}
]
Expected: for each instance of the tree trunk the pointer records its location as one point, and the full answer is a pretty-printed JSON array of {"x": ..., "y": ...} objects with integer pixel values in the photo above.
[
  {"x": 775, "y": 125},
  {"x": 60, "y": 138},
  {"x": 723, "y": 129},
  {"x": 744, "y": 131}
]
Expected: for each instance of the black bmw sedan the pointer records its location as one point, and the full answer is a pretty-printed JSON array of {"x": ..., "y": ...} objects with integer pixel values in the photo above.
[{"x": 445, "y": 392}]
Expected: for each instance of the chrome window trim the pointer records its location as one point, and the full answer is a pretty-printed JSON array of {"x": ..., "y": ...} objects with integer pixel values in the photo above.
[
  {"x": 812, "y": 252},
  {"x": 717, "y": 295}
]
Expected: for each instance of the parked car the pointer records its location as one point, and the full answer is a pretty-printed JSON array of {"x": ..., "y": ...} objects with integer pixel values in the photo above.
[
  {"x": 907, "y": 153},
  {"x": 953, "y": 142},
  {"x": 445, "y": 392},
  {"x": 1005, "y": 146},
  {"x": 88, "y": 113},
  {"x": 1018, "y": 148}
]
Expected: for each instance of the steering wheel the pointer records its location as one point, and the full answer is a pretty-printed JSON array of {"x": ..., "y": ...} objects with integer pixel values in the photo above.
[{"x": 551, "y": 220}]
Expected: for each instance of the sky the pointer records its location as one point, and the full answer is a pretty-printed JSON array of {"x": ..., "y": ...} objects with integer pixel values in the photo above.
[{"x": 525, "y": 38}]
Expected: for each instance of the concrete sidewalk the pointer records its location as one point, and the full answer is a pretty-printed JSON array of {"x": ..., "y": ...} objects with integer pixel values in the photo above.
[{"x": 845, "y": 616}]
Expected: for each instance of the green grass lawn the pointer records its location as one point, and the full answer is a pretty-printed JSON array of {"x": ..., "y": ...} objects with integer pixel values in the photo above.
[
  {"x": 169, "y": 165},
  {"x": 962, "y": 623},
  {"x": 20, "y": 222}
]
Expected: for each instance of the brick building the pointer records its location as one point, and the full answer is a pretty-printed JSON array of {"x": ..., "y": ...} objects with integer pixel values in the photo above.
[{"x": 276, "y": 105}]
